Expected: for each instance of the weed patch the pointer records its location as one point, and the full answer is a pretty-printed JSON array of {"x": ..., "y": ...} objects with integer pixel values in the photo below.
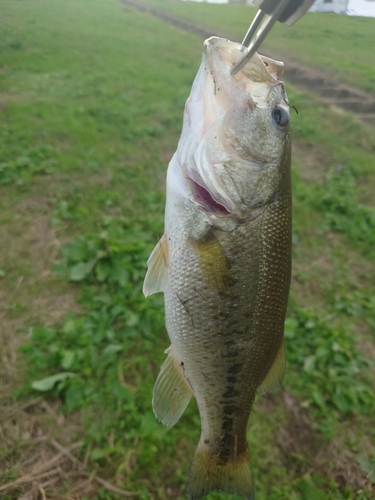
[
  {"x": 18, "y": 162},
  {"x": 333, "y": 374},
  {"x": 90, "y": 347},
  {"x": 336, "y": 198}
]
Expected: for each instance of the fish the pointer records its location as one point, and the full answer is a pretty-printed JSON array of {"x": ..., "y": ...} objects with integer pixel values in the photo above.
[{"x": 224, "y": 261}]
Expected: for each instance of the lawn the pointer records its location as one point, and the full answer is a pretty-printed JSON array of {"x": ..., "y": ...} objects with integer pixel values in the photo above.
[
  {"x": 91, "y": 101},
  {"x": 339, "y": 45}
]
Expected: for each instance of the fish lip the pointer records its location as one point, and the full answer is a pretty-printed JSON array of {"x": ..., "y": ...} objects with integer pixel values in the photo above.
[
  {"x": 224, "y": 54},
  {"x": 212, "y": 58}
]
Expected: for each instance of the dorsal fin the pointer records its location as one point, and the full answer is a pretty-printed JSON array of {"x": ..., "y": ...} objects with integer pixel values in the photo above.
[
  {"x": 157, "y": 272},
  {"x": 274, "y": 379}
]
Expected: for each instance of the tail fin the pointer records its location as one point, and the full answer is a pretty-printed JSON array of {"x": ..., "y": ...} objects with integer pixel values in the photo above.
[{"x": 208, "y": 473}]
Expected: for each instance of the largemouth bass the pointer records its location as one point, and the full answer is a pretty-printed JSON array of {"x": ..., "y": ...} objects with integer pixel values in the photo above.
[{"x": 224, "y": 260}]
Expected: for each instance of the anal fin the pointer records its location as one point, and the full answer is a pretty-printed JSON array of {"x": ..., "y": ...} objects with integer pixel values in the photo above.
[
  {"x": 157, "y": 272},
  {"x": 274, "y": 379},
  {"x": 172, "y": 392}
]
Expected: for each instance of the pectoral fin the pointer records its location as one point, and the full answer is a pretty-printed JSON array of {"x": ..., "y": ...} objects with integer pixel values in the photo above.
[
  {"x": 213, "y": 262},
  {"x": 274, "y": 379},
  {"x": 172, "y": 392},
  {"x": 157, "y": 272}
]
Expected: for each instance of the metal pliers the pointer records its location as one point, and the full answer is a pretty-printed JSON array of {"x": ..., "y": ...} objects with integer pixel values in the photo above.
[{"x": 270, "y": 11}]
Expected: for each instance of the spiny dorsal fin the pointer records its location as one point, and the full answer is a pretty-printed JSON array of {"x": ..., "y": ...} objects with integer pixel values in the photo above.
[
  {"x": 213, "y": 262},
  {"x": 274, "y": 379},
  {"x": 157, "y": 272},
  {"x": 172, "y": 392}
]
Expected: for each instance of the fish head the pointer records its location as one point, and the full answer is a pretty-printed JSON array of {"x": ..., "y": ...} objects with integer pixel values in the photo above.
[{"x": 235, "y": 145}]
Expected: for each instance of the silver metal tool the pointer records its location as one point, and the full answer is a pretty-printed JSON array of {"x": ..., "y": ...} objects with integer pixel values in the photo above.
[{"x": 270, "y": 11}]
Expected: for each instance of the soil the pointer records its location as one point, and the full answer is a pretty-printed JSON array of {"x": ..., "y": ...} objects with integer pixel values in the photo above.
[{"x": 339, "y": 96}]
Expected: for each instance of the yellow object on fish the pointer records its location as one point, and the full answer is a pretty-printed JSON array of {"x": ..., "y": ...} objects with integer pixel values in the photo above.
[{"x": 224, "y": 260}]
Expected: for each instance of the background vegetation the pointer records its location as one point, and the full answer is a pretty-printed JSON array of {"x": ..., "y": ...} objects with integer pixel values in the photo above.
[
  {"x": 341, "y": 44},
  {"x": 91, "y": 98}
]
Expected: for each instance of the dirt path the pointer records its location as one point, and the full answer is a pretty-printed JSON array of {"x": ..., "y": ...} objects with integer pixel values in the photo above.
[{"x": 340, "y": 96}]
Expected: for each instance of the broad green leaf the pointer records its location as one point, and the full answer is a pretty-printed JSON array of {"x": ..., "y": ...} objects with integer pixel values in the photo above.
[
  {"x": 112, "y": 348},
  {"x": 318, "y": 398},
  {"x": 46, "y": 384},
  {"x": 80, "y": 271},
  {"x": 68, "y": 359},
  {"x": 310, "y": 491},
  {"x": 99, "y": 453},
  {"x": 366, "y": 466},
  {"x": 102, "y": 270},
  {"x": 76, "y": 250},
  {"x": 22, "y": 161},
  {"x": 151, "y": 427},
  {"x": 309, "y": 364},
  {"x": 290, "y": 327}
]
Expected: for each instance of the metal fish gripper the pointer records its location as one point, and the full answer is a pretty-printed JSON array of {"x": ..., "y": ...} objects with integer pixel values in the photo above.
[{"x": 270, "y": 11}]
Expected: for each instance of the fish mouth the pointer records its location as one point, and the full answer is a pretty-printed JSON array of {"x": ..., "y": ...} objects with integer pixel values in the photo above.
[{"x": 259, "y": 69}]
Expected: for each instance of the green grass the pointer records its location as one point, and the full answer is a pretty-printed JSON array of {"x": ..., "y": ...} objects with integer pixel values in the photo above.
[
  {"x": 340, "y": 44},
  {"x": 89, "y": 121}
]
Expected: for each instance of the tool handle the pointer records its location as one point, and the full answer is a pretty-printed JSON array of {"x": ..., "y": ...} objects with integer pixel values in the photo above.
[{"x": 292, "y": 12}]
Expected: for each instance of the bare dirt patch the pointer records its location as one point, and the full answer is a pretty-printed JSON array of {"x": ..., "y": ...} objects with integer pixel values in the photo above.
[
  {"x": 176, "y": 22},
  {"x": 38, "y": 442},
  {"x": 298, "y": 436},
  {"x": 331, "y": 459},
  {"x": 44, "y": 455},
  {"x": 313, "y": 162},
  {"x": 340, "y": 463},
  {"x": 338, "y": 95},
  {"x": 29, "y": 293}
]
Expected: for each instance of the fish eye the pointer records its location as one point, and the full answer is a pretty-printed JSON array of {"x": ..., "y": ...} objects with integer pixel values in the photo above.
[{"x": 280, "y": 116}]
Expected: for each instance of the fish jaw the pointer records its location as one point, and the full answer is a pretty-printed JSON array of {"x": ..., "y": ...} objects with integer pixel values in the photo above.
[{"x": 230, "y": 140}]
